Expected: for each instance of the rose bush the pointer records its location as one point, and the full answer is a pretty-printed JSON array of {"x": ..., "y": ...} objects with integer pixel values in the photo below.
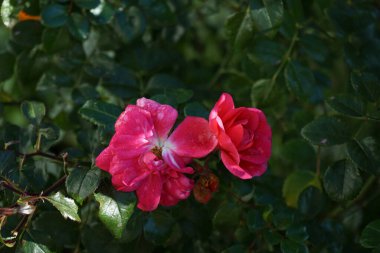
[{"x": 113, "y": 112}]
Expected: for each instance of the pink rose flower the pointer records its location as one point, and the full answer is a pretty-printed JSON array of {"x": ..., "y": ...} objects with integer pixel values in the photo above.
[
  {"x": 142, "y": 158},
  {"x": 244, "y": 137}
]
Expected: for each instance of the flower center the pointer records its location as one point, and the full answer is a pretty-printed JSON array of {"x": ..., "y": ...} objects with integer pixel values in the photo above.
[{"x": 157, "y": 151}]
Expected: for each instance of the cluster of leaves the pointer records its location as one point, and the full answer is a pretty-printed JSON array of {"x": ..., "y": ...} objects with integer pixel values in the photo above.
[{"x": 67, "y": 71}]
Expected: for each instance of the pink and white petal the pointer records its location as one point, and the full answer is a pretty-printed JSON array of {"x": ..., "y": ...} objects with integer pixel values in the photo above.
[
  {"x": 224, "y": 105},
  {"x": 135, "y": 121},
  {"x": 103, "y": 161},
  {"x": 176, "y": 162},
  {"x": 129, "y": 146},
  {"x": 233, "y": 167},
  {"x": 149, "y": 192},
  {"x": 227, "y": 146},
  {"x": 164, "y": 116},
  {"x": 192, "y": 138}
]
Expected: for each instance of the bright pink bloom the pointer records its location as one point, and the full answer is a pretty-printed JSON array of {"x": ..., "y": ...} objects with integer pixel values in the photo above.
[
  {"x": 142, "y": 158},
  {"x": 244, "y": 137}
]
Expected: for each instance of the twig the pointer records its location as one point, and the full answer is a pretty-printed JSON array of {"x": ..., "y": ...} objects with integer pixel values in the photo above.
[{"x": 54, "y": 186}]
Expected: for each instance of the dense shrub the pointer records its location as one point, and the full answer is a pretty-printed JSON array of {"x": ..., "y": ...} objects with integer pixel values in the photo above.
[{"x": 68, "y": 68}]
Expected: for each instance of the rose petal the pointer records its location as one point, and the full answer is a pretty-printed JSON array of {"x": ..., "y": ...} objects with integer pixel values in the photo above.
[
  {"x": 176, "y": 187},
  {"x": 163, "y": 116},
  {"x": 233, "y": 167},
  {"x": 135, "y": 121},
  {"x": 176, "y": 162},
  {"x": 129, "y": 146},
  {"x": 149, "y": 192},
  {"x": 103, "y": 160},
  {"x": 192, "y": 138}
]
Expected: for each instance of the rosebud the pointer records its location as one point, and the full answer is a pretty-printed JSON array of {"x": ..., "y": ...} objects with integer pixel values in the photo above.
[{"x": 205, "y": 186}]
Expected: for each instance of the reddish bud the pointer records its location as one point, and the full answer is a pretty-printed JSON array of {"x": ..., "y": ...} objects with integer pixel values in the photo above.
[{"x": 205, "y": 186}]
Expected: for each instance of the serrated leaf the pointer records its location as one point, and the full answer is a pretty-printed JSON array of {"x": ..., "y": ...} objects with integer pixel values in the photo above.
[
  {"x": 65, "y": 205},
  {"x": 367, "y": 85},
  {"x": 100, "y": 113},
  {"x": 295, "y": 183},
  {"x": 365, "y": 154},
  {"x": 239, "y": 29},
  {"x": 326, "y": 131},
  {"x": 348, "y": 105},
  {"x": 33, "y": 111},
  {"x": 32, "y": 247},
  {"x": 342, "y": 181},
  {"x": 370, "y": 237},
  {"x": 115, "y": 212},
  {"x": 300, "y": 81},
  {"x": 268, "y": 16},
  {"x": 259, "y": 91},
  {"x": 82, "y": 182},
  {"x": 311, "y": 201}
]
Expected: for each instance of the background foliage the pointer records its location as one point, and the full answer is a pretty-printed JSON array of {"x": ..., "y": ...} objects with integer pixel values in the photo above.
[{"x": 69, "y": 67}]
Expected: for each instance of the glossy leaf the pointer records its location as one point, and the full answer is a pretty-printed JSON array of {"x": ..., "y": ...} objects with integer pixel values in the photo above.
[
  {"x": 326, "y": 131},
  {"x": 82, "y": 182},
  {"x": 32, "y": 247},
  {"x": 115, "y": 212},
  {"x": 65, "y": 205},
  {"x": 295, "y": 183},
  {"x": 347, "y": 105},
  {"x": 269, "y": 15},
  {"x": 370, "y": 237},
  {"x": 300, "y": 80},
  {"x": 33, "y": 111},
  {"x": 367, "y": 85},
  {"x": 100, "y": 113},
  {"x": 54, "y": 15},
  {"x": 365, "y": 154},
  {"x": 342, "y": 181}
]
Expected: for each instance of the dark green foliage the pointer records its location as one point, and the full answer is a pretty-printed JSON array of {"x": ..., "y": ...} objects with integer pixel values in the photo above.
[{"x": 70, "y": 68}]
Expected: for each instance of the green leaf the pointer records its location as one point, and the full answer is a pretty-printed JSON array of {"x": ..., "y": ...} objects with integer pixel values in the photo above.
[
  {"x": 158, "y": 227},
  {"x": 82, "y": 182},
  {"x": 255, "y": 220},
  {"x": 7, "y": 62},
  {"x": 367, "y": 85},
  {"x": 310, "y": 201},
  {"x": 370, "y": 237},
  {"x": 78, "y": 26},
  {"x": 87, "y": 4},
  {"x": 33, "y": 111},
  {"x": 55, "y": 40},
  {"x": 32, "y": 247},
  {"x": 259, "y": 91},
  {"x": 295, "y": 183},
  {"x": 289, "y": 246},
  {"x": 326, "y": 131},
  {"x": 65, "y": 205},
  {"x": 235, "y": 249},
  {"x": 365, "y": 154},
  {"x": 300, "y": 81},
  {"x": 342, "y": 181},
  {"x": 196, "y": 109},
  {"x": 348, "y": 105},
  {"x": 54, "y": 15},
  {"x": 268, "y": 16},
  {"x": 7, "y": 161},
  {"x": 100, "y": 113},
  {"x": 297, "y": 233},
  {"x": 227, "y": 216},
  {"x": 129, "y": 24},
  {"x": 115, "y": 212},
  {"x": 239, "y": 29}
]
